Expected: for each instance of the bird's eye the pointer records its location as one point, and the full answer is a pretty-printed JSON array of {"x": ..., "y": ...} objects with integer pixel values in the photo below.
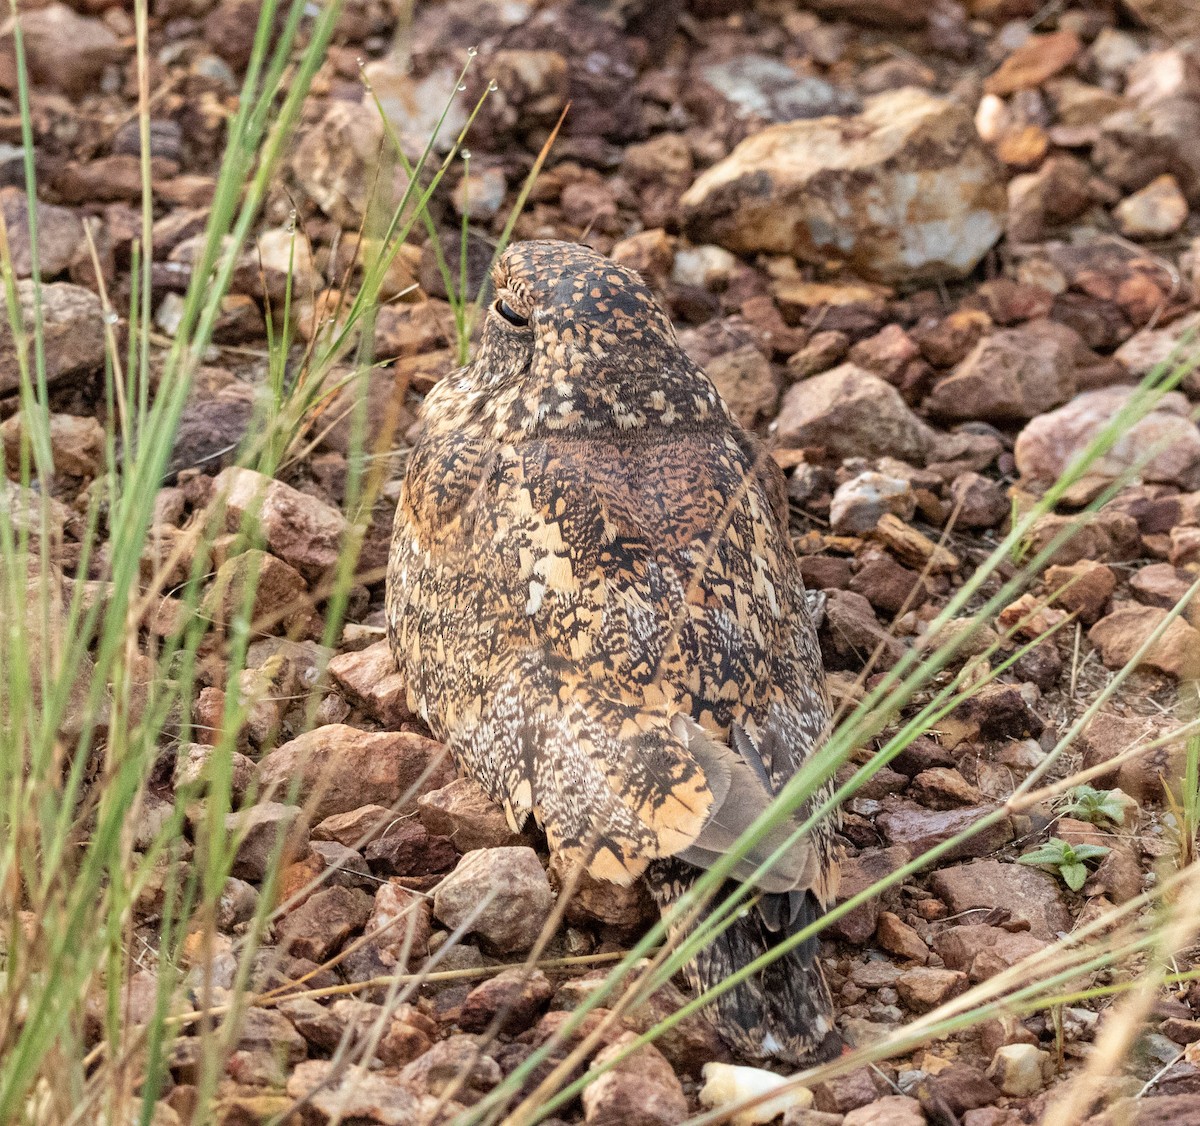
[{"x": 510, "y": 314}]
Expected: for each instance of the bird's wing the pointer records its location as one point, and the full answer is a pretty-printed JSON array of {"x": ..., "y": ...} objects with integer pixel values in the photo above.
[{"x": 650, "y": 608}]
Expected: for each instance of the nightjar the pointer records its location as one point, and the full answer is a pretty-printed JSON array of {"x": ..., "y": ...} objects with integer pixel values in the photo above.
[{"x": 595, "y": 602}]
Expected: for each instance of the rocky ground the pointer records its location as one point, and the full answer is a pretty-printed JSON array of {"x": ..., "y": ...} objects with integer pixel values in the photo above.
[{"x": 927, "y": 248}]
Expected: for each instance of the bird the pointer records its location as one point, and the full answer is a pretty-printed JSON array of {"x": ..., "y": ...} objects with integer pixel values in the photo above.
[{"x": 595, "y": 603}]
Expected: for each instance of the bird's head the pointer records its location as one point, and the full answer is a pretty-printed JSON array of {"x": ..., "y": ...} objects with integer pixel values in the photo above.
[{"x": 573, "y": 341}]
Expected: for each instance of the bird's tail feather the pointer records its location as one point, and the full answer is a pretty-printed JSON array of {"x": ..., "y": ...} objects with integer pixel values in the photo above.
[{"x": 783, "y": 1014}]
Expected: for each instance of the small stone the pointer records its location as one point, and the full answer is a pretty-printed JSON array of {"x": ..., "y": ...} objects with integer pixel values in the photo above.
[
  {"x": 942, "y": 787},
  {"x": 601, "y": 901},
  {"x": 72, "y": 327},
  {"x": 1020, "y": 1070},
  {"x": 727, "y": 1084},
  {"x": 1157, "y": 211},
  {"x": 370, "y": 679},
  {"x": 298, "y": 528},
  {"x": 409, "y": 850},
  {"x": 462, "y": 812},
  {"x": 743, "y": 375},
  {"x": 355, "y": 828},
  {"x": 887, "y": 353},
  {"x": 322, "y": 923},
  {"x": 267, "y": 831},
  {"x": 76, "y": 444},
  {"x": 860, "y": 502},
  {"x": 767, "y": 89},
  {"x": 1049, "y": 443},
  {"x": 897, "y": 937},
  {"x": 851, "y": 633},
  {"x": 640, "y": 1090},
  {"x": 1040, "y": 57},
  {"x": 401, "y": 918},
  {"x": 889, "y": 586},
  {"x": 1160, "y": 584},
  {"x": 1029, "y": 617},
  {"x": 60, "y": 234},
  {"x": 1142, "y": 775},
  {"x": 456, "y": 1061},
  {"x": 983, "y": 951},
  {"x": 340, "y": 768},
  {"x": 859, "y": 873},
  {"x": 1172, "y": 344},
  {"x": 851, "y": 188},
  {"x": 845, "y": 1092},
  {"x": 519, "y": 994},
  {"x": 913, "y": 547},
  {"x": 849, "y": 412},
  {"x": 892, "y": 1110},
  {"x": 926, "y": 987},
  {"x": 1083, "y": 588},
  {"x": 963, "y": 1088},
  {"x": 64, "y": 50},
  {"x": 1056, "y": 193},
  {"x": 823, "y": 351},
  {"x": 704, "y": 267},
  {"x": 909, "y": 824},
  {"x": 978, "y": 501},
  {"x": 353, "y": 1093},
  {"x": 1011, "y": 375},
  {"x": 278, "y": 593},
  {"x": 512, "y": 887},
  {"x": 1122, "y": 633},
  {"x": 1028, "y": 894},
  {"x": 194, "y": 766}
]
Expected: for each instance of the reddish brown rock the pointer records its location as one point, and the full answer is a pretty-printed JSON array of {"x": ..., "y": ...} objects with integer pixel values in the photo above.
[
  {"x": 462, "y": 812},
  {"x": 849, "y": 412},
  {"x": 1143, "y": 774},
  {"x": 267, "y": 832},
  {"x": 1040, "y": 57},
  {"x": 897, "y": 937},
  {"x": 339, "y": 768},
  {"x": 517, "y": 997},
  {"x": 1121, "y": 634},
  {"x": 641, "y": 1090},
  {"x": 978, "y": 501},
  {"x": 926, "y": 987},
  {"x": 298, "y": 528},
  {"x": 505, "y": 893},
  {"x": 1049, "y": 443},
  {"x": 322, "y": 923},
  {"x": 1026, "y": 893},
  {"x": 919, "y": 829},
  {"x": 355, "y": 828},
  {"x": 1082, "y": 588},
  {"x": 370, "y": 679},
  {"x": 409, "y": 850},
  {"x": 1012, "y": 375},
  {"x": 982, "y": 951},
  {"x": 73, "y": 331},
  {"x": 401, "y": 919},
  {"x": 858, "y": 874}
]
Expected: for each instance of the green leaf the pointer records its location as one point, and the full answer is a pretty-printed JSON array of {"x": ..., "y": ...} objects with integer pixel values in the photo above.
[
  {"x": 1090, "y": 852},
  {"x": 1054, "y": 852},
  {"x": 1075, "y": 875}
]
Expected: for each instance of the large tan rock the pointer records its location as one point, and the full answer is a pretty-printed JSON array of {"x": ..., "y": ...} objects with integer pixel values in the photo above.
[{"x": 903, "y": 191}]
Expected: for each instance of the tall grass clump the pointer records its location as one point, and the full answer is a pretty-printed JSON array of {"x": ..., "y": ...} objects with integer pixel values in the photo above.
[{"x": 113, "y": 965}]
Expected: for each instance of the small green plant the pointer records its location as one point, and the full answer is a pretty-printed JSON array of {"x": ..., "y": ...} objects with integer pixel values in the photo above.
[
  {"x": 1068, "y": 859},
  {"x": 1097, "y": 806}
]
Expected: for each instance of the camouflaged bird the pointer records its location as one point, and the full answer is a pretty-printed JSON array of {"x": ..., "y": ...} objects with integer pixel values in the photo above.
[{"x": 595, "y": 602}]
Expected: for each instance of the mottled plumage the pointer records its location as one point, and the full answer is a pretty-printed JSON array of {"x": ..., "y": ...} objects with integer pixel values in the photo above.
[{"x": 594, "y": 599}]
